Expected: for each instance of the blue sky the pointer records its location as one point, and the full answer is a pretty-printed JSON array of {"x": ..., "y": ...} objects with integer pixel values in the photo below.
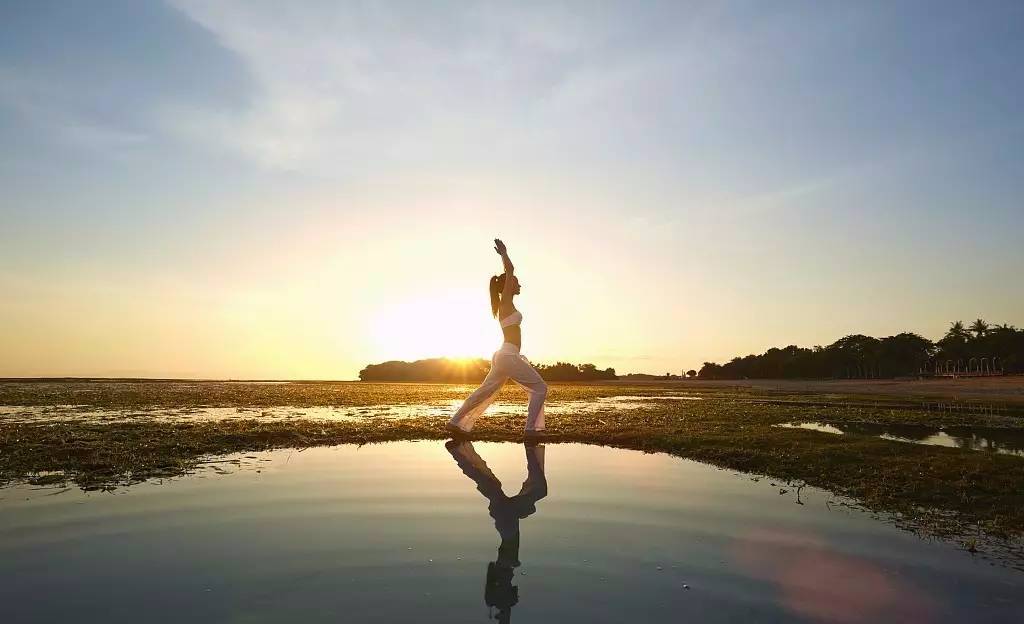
[{"x": 247, "y": 188}]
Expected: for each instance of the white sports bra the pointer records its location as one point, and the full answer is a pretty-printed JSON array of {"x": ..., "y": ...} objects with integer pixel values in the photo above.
[{"x": 512, "y": 319}]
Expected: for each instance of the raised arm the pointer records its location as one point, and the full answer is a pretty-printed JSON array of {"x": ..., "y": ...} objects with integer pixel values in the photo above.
[{"x": 509, "y": 269}]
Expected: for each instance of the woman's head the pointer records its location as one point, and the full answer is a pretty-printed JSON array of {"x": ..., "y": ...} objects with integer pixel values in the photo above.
[{"x": 496, "y": 287}]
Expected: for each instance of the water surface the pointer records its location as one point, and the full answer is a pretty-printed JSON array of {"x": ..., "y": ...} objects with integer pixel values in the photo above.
[
  {"x": 11, "y": 414},
  {"x": 424, "y": 532},
  {"x": 991, "y": 439}
]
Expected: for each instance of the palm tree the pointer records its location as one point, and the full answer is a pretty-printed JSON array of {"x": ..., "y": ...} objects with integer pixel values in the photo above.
[
  {"x": 957, "y": 330},
  {"x": 979, "y": 327}
]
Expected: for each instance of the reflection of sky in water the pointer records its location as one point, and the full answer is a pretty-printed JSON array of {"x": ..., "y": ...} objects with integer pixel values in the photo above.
[
  {"x": 969, "y": 441},
  {"x": 822, "y": 427},
  {"x": 1007, "y": 441},
  {"x": 404, "y": 532}
]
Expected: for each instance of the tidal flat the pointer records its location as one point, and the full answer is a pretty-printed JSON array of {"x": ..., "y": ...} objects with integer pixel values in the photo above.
[{"x": 110, "y": 435}]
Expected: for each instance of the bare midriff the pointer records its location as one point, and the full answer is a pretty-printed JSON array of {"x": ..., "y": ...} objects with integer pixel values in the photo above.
[{"x": 513, "y": 334}]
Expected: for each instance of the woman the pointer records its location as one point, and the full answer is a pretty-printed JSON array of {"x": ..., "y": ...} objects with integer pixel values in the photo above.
[{"x": 507, "y": 363}]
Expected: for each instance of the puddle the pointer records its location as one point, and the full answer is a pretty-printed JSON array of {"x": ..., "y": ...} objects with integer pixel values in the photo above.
[
  {"x": 993, "y": 440},
  {"x": 813, "y": 426},
  {"x": 421, "y": 531}
]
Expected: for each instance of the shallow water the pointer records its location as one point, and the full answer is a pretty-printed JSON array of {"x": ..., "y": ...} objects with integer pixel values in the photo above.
[
  {"x": 1003, "y": 441},
  {"x": 407, "y": 532},
  {"x": 83, "y": 413}
]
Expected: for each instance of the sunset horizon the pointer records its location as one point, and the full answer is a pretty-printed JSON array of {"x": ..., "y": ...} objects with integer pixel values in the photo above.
[
  {"x": 622, "y": 371},
  {"x": 299, "y": 196}
]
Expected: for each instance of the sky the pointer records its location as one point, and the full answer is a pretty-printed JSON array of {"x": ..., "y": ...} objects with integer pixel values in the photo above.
[{"x": 295, "y": 190}]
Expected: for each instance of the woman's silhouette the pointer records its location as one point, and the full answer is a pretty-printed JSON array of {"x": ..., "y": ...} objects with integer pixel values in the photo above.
[
  {"x": 507, "y": 363},
  {"x": 507, "y": 511}
]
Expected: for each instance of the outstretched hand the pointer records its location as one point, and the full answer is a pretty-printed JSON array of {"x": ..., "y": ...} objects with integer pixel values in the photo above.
[{"x": 500, "y": 247}]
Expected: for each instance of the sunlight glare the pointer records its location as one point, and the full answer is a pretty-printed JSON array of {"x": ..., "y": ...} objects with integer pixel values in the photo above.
[{"x": 454, "y": 325}]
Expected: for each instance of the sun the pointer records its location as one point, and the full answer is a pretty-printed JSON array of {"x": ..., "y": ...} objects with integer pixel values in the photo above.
[{"x": 454, "y": 325}]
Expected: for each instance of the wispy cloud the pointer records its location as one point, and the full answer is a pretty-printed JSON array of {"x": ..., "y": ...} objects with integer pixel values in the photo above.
[
  {"x": 372, "y": 82},
  {"x": 54, "y": 111}
]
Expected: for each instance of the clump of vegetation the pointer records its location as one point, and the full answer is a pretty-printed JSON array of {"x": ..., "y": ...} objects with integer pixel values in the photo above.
[
  {"x": 858, "y": 356},
  {"x": 446, "y": 370},
  {"x": 564, "y": 371},
  {"x": 442, "y": 370}
]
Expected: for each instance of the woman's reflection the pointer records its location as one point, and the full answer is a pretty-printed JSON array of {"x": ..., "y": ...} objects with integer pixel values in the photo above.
[{"x": 507, "y": 511}]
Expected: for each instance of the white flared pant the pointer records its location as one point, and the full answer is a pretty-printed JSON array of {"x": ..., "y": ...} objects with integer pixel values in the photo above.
[{"x": 506, "y": 364}]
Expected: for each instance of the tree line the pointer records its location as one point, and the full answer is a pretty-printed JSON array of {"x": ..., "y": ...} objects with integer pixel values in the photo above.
[
  {"x": 857, "y": 356},
  {"x": 473, "y": 371}
]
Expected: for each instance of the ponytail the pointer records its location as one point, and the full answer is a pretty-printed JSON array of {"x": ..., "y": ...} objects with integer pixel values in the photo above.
[{"x": 496, "y": 286}]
